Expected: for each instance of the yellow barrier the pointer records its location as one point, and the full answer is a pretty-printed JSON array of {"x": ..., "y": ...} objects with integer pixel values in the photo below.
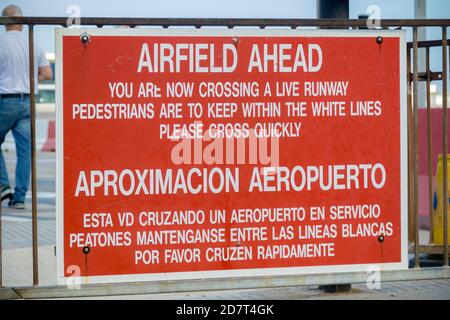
[{"x": 438, "y": 216}]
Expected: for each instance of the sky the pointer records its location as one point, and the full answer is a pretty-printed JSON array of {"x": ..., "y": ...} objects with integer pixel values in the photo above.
[
  {"x": 212, "y": 9},
  {"x": 389, "y": 9}
]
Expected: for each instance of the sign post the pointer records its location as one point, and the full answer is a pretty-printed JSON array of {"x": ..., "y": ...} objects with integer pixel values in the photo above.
[{"x": 185, "y": 154}]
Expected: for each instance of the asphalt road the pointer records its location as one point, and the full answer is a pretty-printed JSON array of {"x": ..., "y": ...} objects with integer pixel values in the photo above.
[{"x": 17, "y": 223}]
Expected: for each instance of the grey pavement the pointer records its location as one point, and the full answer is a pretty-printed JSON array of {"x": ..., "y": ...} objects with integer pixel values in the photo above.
[
  {"x": 405, "y": 290},
  {"x": 17, "y": 223},
  {"x": 17, "y": 253}
]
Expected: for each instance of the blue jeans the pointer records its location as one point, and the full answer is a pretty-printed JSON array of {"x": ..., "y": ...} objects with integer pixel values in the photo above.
[{"x": 15, "y": 116}]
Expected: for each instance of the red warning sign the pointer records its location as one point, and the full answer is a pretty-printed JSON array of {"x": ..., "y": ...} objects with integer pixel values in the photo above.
[{"x": 214, "y": 153}]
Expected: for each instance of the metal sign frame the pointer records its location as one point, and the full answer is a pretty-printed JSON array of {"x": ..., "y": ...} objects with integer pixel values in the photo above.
[{"x": 192, "y": 32}]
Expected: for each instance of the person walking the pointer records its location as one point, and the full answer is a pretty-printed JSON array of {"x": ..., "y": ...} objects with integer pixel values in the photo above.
[{"x": 15, "y": 104}]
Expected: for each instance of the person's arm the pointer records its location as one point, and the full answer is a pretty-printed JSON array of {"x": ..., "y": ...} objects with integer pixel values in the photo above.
[{"x": 45, "y": 73}]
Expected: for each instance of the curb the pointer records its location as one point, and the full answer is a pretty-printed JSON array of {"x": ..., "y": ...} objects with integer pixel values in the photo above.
[
  {"x": 8, "y": 294},
  {"x": 172, "y": 286}
]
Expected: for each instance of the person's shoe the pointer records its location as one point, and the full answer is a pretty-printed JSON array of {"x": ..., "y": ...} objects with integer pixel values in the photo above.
[
  {"x": 5, "y": 193},
  {"x": 16, "y": 205}
]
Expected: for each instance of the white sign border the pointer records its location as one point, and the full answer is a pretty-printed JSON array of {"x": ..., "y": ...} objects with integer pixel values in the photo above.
[{"x": 191, "y": 32}]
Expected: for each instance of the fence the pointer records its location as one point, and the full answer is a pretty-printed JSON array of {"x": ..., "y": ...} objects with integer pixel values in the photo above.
[{"x": 413, "y": 75}]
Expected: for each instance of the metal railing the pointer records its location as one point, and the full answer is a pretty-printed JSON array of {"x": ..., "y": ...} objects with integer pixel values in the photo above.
[
  {"x": 428, "y": 76},
  {"x": 413, "y": 106}
]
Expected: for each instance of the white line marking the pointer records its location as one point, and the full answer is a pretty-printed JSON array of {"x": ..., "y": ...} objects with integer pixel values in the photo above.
[{"x": 42, "y": 195}]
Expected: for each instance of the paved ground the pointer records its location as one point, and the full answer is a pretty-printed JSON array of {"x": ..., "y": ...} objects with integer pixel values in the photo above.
[
  {"x": 436, "y": 290},
  {"x": 17, "y": 223},
  {"x": 17, "y": 255}
]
